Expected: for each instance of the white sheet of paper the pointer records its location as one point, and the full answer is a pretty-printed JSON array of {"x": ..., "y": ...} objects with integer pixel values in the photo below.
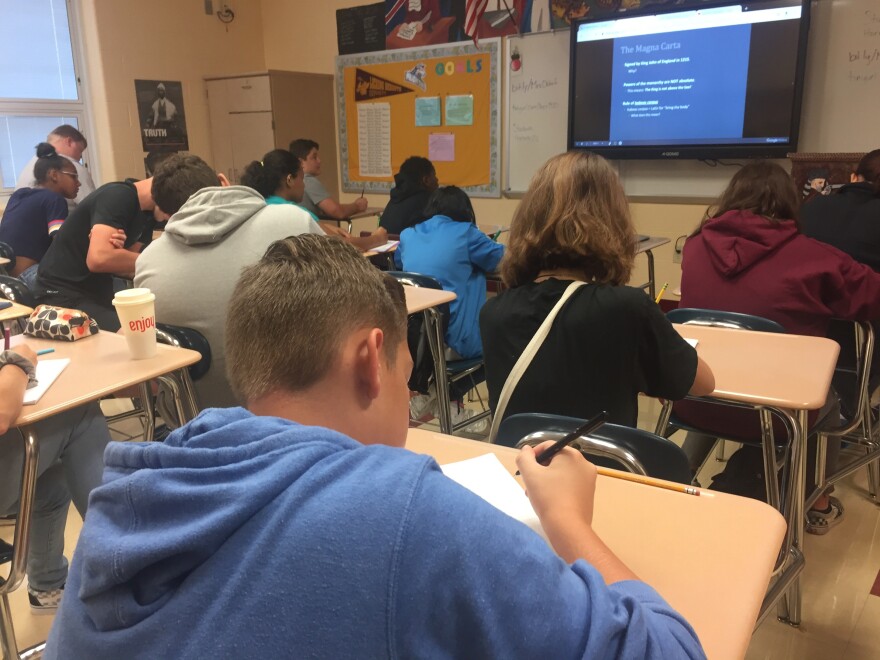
[
  {"x": 486, "y": 476},
  {"x": 692, "y": 342},
  {"x": 47, "y": 373},
  {"x": 388, "y": 246}
]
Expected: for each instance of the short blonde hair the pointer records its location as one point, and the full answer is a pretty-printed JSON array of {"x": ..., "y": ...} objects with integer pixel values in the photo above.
[
  {"x": 573, "y": 216},
  {"x": 291, "y": 311}
]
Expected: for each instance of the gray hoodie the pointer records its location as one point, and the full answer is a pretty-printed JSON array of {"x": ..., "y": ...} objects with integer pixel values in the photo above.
[{"x": 194, "y": 267}]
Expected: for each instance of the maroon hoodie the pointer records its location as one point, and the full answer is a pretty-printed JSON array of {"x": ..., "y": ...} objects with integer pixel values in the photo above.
[{"x": 741, "y": 262}]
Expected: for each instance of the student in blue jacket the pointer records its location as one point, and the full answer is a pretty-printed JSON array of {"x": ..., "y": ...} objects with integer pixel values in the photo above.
[
  {"x": 449, "y": 247},
  {"x": 301, "y": 527}
]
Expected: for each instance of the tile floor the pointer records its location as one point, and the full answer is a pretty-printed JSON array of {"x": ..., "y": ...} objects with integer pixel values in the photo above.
[{"x": 841, "y": 619}]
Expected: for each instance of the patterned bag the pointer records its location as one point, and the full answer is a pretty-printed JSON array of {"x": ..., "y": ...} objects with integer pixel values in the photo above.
[{"x": 60, "y": 323}]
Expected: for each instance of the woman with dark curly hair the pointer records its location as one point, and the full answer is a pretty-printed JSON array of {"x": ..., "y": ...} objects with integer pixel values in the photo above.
[{"x": 609, "y": 341}]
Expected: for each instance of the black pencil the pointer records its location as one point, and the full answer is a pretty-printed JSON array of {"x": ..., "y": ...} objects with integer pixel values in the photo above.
[{"x": 585, "y": 429}]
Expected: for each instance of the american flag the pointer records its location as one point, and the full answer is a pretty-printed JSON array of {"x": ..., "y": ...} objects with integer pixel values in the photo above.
[{"x": 474, "y": 10}]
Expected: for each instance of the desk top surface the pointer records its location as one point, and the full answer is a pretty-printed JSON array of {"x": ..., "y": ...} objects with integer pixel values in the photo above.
[
  {"x": 15, "y": 312},
  {"x": 766, "y": 368},
  {"x": 711, "y": 556},
  {"x": 419, "y": 298},
  {"x": 366, "y": 213},
  {"x": 99, "y": 365},
  {"x": 651, "y": 243}
]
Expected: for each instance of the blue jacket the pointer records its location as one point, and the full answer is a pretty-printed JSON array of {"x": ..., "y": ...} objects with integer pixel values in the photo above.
[
  {"x": 457, "y": 254},
  {"x": 245, "y": 536}
]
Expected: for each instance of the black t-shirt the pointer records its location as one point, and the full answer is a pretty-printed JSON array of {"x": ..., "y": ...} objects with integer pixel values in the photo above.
[
  {"x": 64, "y": 268},
  {"x": 607, "y": 344}
]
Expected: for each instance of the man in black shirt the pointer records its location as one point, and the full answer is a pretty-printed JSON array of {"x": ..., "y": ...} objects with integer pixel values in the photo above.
[{"x": 104, "y": 235}]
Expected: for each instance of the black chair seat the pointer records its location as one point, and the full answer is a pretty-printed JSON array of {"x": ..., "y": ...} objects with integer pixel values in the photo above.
[{"x": 15, "y": 290}]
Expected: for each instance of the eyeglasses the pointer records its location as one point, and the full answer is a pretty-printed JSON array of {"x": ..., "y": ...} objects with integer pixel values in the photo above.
[{"x": 73, "y": 174}]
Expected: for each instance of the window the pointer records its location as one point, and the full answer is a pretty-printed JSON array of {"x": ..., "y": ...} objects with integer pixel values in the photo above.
[{"x": 39, "y": 81}]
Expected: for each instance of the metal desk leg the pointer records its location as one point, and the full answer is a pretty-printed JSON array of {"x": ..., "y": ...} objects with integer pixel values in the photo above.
[
  {"x": 435, "y": 341},
  {"x": 652, "y": 285},
  {"x": 146, "y": 390},
  {"x": 20, "y": 541}
]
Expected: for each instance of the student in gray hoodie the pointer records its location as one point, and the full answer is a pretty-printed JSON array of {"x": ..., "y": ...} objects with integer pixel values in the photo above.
[{"x": 193, "y": 268}]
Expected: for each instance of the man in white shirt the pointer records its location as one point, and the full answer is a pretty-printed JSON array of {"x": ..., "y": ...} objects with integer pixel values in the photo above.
[{"x": 70, "y": 143}]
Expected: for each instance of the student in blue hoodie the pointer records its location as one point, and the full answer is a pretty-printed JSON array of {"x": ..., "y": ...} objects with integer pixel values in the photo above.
[
  {"x": 448, "y": 246},
  {"x": 300, "y": 526}
]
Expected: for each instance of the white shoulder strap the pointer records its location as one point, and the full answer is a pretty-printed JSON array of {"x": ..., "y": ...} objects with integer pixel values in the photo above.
[{"x": 525, "y": 359}]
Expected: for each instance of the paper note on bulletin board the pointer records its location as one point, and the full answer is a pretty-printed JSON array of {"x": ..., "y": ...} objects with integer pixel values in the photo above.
[{"x": 442, "y": 100}]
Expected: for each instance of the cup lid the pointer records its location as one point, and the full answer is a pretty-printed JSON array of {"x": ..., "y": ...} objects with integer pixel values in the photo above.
[{"x": 133, "y": 296}]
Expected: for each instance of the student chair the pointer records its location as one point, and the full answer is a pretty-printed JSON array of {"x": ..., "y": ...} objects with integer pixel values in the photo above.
[
  {"x": 613, "y": 446},
  {"x": 7, "y": 252},
  {"x": 851, "y": 381},
  {"x": 668, "y": 422},
  {"x": 459, "y": 374},
  {"x": 15, "y": 290}
]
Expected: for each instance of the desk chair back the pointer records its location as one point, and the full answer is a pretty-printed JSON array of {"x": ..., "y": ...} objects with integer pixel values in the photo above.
[
  {"x": 175, "y": 335},
  {"x": 15, "y": 290},
  {"x": 720, "y": 319},
  {"x": 453, "y": 378},
  {"x": 612, "y": 446},
  {"x": 7, "y": 252}
]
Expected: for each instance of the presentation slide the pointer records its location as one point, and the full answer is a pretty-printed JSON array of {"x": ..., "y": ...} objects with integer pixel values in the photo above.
[{"x": 679, "y": 86}]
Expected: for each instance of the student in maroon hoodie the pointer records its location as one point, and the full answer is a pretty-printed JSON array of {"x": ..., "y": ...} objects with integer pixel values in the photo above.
[{"x": 748, "y": 256}]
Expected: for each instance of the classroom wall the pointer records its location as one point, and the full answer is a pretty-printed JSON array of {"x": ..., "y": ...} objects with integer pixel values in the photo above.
[
  {"x": 300, "y": 35},
  {"x": 160, "y": 39}
]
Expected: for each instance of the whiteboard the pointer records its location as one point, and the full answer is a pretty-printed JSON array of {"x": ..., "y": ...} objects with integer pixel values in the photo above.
[
  {"x": 536, "y": 98},
  {"x": 842, "y": 89},
  {"x": 841, "y": 97}
]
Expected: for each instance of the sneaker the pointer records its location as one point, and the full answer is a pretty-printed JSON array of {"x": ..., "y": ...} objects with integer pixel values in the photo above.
[
  {"x": 819, "y": 522},
  {"x": 8, "y": 520},
  {"x": 45, "y": 602},
  {"x": 422, "y": 407},
  {"x": 461, "y": 414},
  {"x": 5, "y": 552}
]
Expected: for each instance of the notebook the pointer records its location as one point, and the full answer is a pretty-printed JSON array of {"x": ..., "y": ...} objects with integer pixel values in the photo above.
[
  {"x": 486, "y": 476},
  {"x": 47, "y": 373}
]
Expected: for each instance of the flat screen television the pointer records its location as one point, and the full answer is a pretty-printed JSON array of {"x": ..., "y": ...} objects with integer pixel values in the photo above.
[{"x": 708, "y": 81}]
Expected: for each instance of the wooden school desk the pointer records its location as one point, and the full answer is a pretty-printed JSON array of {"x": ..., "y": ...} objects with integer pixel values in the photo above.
[
  {"x": 17, "y": 311},
  {"x": 790, "y": 374},
  {"x": 710, "y": 557},
  {"x": 419, "y": 298},
  {"x": 426, "y": 301},
  {"x": 366, "y": 213},
  {"x": 100, "y": 365}
]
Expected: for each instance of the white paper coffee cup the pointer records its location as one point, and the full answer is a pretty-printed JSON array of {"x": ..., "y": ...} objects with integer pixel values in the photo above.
[{"x": 136, "y": 309}]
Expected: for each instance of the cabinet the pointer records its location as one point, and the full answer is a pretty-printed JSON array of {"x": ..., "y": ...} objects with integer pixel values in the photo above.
[{"x": 253, "y": 114}]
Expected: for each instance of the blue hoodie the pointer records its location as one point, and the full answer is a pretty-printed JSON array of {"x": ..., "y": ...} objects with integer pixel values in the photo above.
[
  {"x": 458, "y": 255},
  {"x": 246, "y": 536}
]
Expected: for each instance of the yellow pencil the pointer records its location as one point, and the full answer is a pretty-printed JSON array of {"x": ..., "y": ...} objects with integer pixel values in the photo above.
[
  {"x": 662, "y": 291},
  {"x": 648, "y": 481}
]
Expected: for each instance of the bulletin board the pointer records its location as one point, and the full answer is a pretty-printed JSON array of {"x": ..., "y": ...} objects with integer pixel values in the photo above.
[{"x": 440, "y": 102}]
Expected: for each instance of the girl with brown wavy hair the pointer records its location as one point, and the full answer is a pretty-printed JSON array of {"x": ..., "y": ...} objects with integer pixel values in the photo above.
[{"x": 610, "y": 341}]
